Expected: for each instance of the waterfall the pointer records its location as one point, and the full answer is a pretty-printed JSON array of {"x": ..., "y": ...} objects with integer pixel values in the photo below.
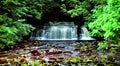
[
  {"x": 85, "y": 34},
  {"x": 57, "y": 31},
  {"x": 60, "y": 31}
]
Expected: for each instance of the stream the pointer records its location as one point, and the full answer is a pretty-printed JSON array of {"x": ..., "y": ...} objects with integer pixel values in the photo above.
[{"x": 50, "y": 53}]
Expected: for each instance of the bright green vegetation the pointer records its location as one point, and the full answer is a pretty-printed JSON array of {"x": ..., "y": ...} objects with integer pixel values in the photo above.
[
  {"x": 101, "y": 17},
  {"x": 12, "y": 22},
  {"x": 105, "y": 22}
]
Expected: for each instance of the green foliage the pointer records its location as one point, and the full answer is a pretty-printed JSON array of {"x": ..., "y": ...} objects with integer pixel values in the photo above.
[
  {"x": 32, "y": 8},
  {"x": 114, "y": 47},
  {"x": 104, "y": 58},
  {"x": 105, "y": 21},
  {"x": 83, "y": 49},
  {"x": 36, "y": 63},
  {"x": 113, "y": 50},
  {"x": 86, "y": 60},
  {"x": 12, "y": 25},
  {"x": 24, "y": 65},
  {"x": 102, "y": 46},
  {"x": 17, "y": 9},
  {"x": 76, "y": 7},
  {"x": 74, "y": 60},
  {"x": 12, "y": 31}
]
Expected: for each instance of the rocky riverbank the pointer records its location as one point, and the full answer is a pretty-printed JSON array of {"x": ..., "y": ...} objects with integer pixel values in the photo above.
[{"x": 66, "y": 53}]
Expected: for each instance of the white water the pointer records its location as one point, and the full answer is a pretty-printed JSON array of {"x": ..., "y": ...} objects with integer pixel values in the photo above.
[
  {"x": 85, "y": 34},
  {"x": 61, "y": 31},
  {"x": 67, "y": 31}
]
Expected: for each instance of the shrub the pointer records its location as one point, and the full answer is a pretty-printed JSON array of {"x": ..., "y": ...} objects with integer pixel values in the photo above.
[
  {"x": 12, "y": 20},
  {"x": 105, "y": 21},
  {"x": 12, "y": 31}
]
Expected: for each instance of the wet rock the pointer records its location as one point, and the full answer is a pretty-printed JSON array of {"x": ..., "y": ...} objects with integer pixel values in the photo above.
[
  {"x": 53, "y": 53},
  {"x": 3, "y": 60},
  {"x": 49, "y": 52},
  {"x": 35, "y": 53}
]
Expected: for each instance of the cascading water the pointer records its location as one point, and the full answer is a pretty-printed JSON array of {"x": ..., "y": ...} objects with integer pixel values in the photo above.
[
  {"x": 85, "y": 34},
  {"x": 60, "y": 31}
]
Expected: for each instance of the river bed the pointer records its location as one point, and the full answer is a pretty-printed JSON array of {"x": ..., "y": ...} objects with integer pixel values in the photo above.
[{"x": 67, "y": 53}]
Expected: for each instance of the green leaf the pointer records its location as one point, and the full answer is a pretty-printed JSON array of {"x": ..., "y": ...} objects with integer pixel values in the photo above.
[{"x": 102, "y": 46}]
